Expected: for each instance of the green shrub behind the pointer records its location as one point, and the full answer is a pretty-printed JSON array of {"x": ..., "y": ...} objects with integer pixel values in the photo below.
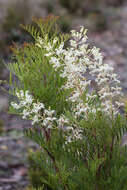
[{"x": 76, "y": 151}]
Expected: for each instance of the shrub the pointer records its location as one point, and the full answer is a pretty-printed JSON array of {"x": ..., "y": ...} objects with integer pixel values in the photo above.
[
  {"x": 76, "y": 124},
  {"x": 17, "y": 13},
  {"x": 71, "y": 5}
]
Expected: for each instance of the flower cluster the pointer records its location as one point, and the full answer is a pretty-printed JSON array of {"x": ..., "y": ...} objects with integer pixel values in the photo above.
[
  {"x": 34, "y": 111},
  {"x": 71, "y": 131},
  {"x": 82, "y": 66},
  {"x": 76, "y": 63}
]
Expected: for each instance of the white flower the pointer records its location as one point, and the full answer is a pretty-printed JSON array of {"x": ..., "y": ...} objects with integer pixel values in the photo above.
[
  {"x": 60, "y": 49},
  {"x": 48, "y": 54},
  {"x": 14, "y": 105},
  {"x": 62, "y": 120},
  {"x": 75, "y": 96},
  {"x": 28, "y": 98},
  {"x": 37, "y": 107},
  {"x": 49, "y": 112},
  {"x": 96, "y": 53},
  {"x": 55, "y": 62},
  {"x": 25, "y": 113},
  {"x": 55, "y": 40},
  {"x": 48, "y": 121},
  {"x": 20, "y": 94},
  {"x": 82, "y": 67},
  {"x": 119, "y": 104},
  {"x": 82, "y": 29},
  {"x": 75, "y": 135},
  {"x": 35, "y": 119},
  {"x": 39, "y": 42}
]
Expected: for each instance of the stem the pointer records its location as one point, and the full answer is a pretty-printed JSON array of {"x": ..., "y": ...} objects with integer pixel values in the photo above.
[
  {"x": 56, "y": 167},
  {"x": 53, "y": 159},
  {"x": 111, "y": 149},
  {"x": 45, "y": 80},
  {"x": 46, "y": 134},
  {"x": 57, "y": 170}
]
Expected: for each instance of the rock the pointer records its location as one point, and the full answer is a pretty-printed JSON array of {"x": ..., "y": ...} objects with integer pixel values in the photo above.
[
  {"x": 124, "y": 140},
  {"x": 3, "y": 103}
]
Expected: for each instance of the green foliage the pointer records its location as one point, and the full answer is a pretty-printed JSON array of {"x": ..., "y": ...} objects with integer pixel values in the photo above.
[
  {"x": 97, "y": 162},
  {"x": 42, "y": 27},
  {"x": 94, "y": 162},
  {"x": 33, "y": 70}
]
